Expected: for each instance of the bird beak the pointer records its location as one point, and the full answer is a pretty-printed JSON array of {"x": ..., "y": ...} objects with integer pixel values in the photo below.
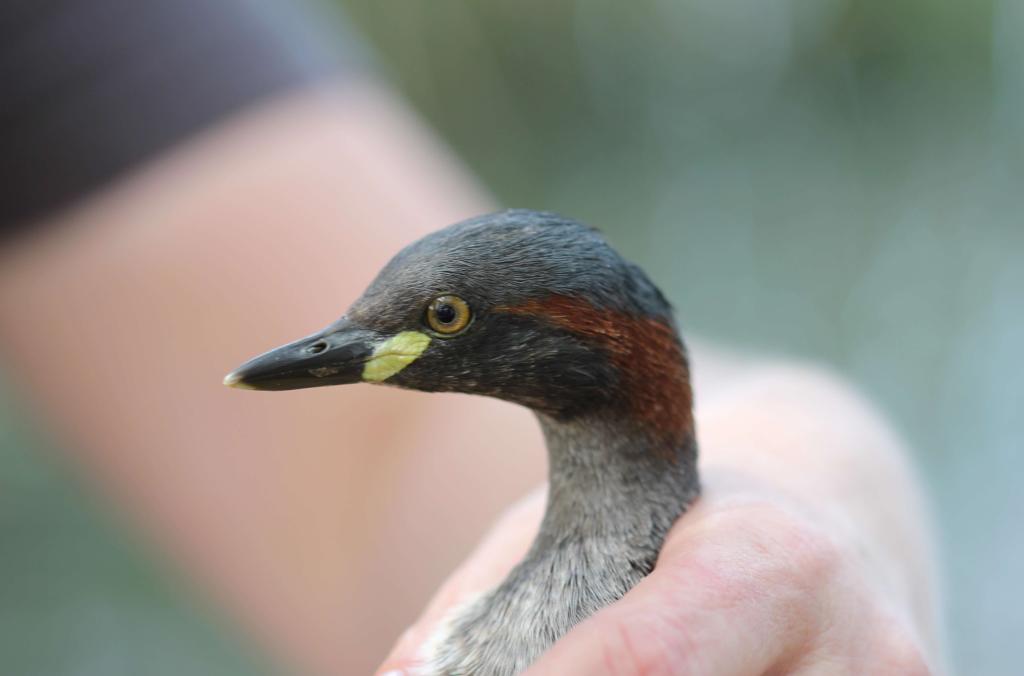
[{"x": 335, "y": 356}]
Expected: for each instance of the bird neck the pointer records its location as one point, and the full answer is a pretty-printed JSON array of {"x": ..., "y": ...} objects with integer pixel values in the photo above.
[
  {"x": 611, "y": 479},
  {"x": 613, "y": 495},
  {"x": 617, "y": 483}
]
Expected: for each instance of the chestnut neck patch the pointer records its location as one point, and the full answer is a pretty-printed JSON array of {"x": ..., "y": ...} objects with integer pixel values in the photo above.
[{"x": 648, "y": 355}]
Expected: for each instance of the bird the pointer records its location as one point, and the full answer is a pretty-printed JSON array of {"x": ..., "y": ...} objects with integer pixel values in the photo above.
[{"x": 539, "y": 310}]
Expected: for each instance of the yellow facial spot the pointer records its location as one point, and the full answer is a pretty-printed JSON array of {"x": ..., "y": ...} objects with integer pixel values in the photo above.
[{"x": 394, "y": 354}]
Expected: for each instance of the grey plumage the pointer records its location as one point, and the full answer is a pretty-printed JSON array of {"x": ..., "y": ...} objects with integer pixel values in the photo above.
[{"x": 609, "y": 507}]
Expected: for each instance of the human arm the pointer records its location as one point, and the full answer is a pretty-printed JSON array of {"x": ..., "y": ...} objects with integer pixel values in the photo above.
[{"x": 120, "y": 316}]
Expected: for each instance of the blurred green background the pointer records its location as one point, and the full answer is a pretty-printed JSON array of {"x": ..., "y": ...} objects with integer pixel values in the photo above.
[{"x": 836, "y": 180}]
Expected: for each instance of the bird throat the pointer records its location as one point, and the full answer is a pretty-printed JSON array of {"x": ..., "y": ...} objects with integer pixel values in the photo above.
[
  {"x": 613, "y": 494},
  {"x": 611, "y": 476},
  {"x": 614, "y": 491}
]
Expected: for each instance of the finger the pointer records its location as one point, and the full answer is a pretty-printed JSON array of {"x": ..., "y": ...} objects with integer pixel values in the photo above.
[
  {"x": 503, "y": 546},
  {"x": 720, "y": 601}
]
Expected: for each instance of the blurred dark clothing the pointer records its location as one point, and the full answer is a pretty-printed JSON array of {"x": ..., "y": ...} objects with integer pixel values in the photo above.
[{"x": 89, "y": 88}]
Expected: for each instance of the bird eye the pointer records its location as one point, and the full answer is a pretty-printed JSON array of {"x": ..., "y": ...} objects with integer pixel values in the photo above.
[{"x": 448, "y": 314}]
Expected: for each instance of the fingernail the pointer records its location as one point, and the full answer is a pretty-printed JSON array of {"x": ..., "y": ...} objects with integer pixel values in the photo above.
[{"x": 393, "y": 672}]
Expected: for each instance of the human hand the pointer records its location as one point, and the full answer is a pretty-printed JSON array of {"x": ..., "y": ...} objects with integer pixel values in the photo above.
[{"x": 767, "y": 573}]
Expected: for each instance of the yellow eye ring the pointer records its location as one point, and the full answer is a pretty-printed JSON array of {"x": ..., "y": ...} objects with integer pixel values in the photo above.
[{"x": 447, "y": 315}]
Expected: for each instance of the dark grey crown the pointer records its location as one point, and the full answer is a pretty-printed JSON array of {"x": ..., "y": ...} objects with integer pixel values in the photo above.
[{"x": 505, "y": 259}]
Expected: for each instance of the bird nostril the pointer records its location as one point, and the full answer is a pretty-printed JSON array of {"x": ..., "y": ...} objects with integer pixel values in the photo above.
[{"x": 317, "y": 347}]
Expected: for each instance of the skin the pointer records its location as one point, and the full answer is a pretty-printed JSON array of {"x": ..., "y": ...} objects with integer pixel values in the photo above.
[{"x": 299, "y": 515}]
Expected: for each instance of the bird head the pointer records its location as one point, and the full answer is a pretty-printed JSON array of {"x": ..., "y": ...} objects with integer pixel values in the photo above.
[{"x": 520, "y": 305}]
